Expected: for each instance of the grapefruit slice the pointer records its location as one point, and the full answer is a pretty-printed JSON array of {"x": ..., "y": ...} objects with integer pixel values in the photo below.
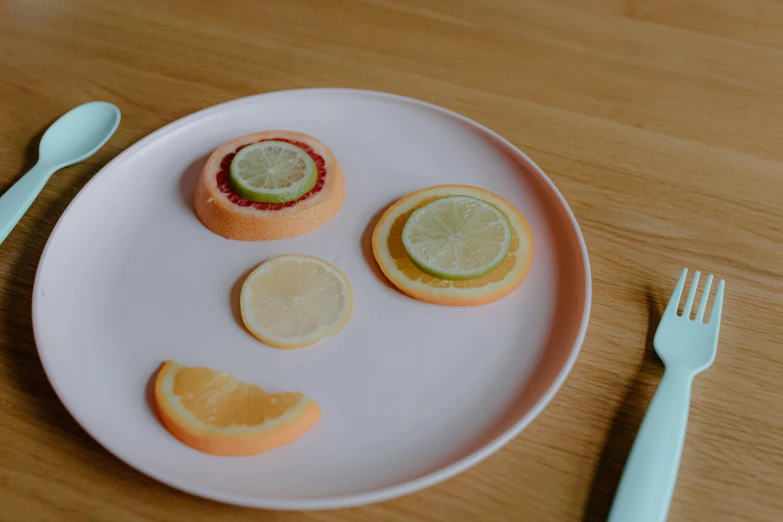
[
  {"x": 229, "y": 213},
  {"x": 215, "y": 413},
  {"x": 398, "y": 266},
  {"x": 292, "y": 301}
]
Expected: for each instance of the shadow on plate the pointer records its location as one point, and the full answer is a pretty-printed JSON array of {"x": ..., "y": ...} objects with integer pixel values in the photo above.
[
  {"x": 366, "y": 245},
  {"x": 187, "y": 182},
  {"x": 149, "y": 391},
  {"x": 236, "y": 291}
]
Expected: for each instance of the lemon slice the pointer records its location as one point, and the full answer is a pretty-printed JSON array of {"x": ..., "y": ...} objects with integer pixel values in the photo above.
[
  {"x": 272, "y": 172},
  {"x": 457, "y": 238},
  {"x": 293, "y": 300}
]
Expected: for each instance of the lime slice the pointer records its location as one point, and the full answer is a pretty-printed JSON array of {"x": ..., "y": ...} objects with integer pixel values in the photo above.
[
  {"x": 457, "y": 238},
  {"x": 273, "y": 172}
]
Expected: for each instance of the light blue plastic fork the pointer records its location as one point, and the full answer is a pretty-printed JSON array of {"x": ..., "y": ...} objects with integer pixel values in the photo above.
[{"x": 687, "y": 347}]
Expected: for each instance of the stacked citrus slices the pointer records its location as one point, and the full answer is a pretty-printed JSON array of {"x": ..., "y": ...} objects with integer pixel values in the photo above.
[
  {"x": 269, "y": 185},
  {"x": 454, "y": 245}
]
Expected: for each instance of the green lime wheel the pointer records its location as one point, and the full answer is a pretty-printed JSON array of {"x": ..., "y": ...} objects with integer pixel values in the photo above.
[
  {"x": 457, "y": 238},
  {"x": 272, "y": 172}
]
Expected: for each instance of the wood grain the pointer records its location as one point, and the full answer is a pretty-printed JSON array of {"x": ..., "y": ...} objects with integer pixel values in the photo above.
[{"x": 660, "y": 121}]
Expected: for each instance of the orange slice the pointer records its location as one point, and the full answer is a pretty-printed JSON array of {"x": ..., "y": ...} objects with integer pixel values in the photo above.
[
  {"x": 225, "y": 212},
  {"x": 397, "y": 266},
  {"x": 215, "y": 413}
]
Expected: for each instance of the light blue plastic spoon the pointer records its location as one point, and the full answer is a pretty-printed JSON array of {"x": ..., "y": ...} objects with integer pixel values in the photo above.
[{"x": 74, "y": 137}]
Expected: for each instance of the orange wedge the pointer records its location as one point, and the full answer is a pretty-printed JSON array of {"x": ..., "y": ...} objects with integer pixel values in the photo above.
[
  {"x": 215, "y": 413},
  {"x": 395, "y": 263}
]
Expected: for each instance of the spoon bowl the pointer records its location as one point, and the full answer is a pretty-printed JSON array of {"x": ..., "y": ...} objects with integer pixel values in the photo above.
[{"x": 78, "y": 133}]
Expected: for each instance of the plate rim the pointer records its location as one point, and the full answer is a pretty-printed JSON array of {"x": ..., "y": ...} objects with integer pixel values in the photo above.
[{"x": 353, "y": 499}]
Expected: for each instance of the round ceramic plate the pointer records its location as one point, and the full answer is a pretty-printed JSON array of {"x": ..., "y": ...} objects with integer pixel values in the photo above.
[{"x": 411, "y": 393}]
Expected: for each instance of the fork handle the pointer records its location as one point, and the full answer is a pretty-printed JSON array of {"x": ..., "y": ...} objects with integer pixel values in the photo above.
[{"x": 647, "y": 484}]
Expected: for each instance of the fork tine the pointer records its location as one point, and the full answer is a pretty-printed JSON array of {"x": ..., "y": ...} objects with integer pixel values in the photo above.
[
  {"x": 718, "y": 306},
  {"x": 686, "y": 312},
  {"x": 705, "y": 296},
  {"x": 674, "y": 300}
]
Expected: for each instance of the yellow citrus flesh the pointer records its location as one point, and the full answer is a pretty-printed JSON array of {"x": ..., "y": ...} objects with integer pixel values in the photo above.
[
  {"x": 215, "y": 413},
  {"x": 395, "y": 263},
  {"x": 294, "y": 300}
]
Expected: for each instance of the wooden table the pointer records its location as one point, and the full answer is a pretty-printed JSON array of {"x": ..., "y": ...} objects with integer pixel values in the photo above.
[{"x": 660, "y": 121}]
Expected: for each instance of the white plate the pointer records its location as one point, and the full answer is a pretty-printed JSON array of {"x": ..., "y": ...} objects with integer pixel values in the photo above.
[{"x": 411, "y": 393}]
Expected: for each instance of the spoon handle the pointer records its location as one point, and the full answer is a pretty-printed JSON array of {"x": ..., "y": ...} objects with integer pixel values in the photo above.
[{"x": 16, "y": 200}]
